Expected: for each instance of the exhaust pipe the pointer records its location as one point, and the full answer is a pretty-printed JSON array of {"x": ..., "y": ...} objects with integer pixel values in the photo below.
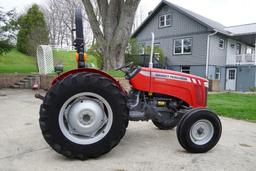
[{"x": 152, "y": 51}]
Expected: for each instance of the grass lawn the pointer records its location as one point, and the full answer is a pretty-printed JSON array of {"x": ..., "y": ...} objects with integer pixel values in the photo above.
[
  {"x": 68, "y": 59},
  {"x": 234, "y": 105},
  {"x": 15, "y": 61}
]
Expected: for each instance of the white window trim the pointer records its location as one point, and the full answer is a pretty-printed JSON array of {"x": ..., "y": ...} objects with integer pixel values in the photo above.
[
  {"x": 182, "y": 47},
  {"x": 218, "y": 73},
  {"x": 223, "y": 43},
  {"x": 165, "y": 19}
]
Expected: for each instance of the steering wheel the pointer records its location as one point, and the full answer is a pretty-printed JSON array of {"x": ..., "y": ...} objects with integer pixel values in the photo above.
[{"x": 125, "y": 66}]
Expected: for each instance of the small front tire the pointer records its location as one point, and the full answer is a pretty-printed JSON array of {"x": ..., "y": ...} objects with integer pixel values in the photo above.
[{"x": 199, "y": 130}]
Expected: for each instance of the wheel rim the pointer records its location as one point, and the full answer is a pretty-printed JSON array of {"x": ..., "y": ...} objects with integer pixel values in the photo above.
[
  {"x": 85, "y": 118},
  {"x": 201, "y": 132}
]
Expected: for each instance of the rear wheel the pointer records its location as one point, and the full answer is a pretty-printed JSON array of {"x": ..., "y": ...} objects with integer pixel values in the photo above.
[
  {"x": 199, "y": 130},
  {"x": 83, "y": 116}
]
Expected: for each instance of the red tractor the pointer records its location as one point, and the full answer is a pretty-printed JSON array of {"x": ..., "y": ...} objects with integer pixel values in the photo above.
[{"x": 86, "y": 111}]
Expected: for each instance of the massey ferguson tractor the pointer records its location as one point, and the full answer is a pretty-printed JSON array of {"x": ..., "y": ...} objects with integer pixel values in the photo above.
[{"x": 86, "y": 111}]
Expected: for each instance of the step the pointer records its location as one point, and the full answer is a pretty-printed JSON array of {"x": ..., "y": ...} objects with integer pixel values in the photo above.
[
  {"x": 24, "y": 81},
  {"x": 14, "y": 86},
  {"x": 19, "y": 83}
]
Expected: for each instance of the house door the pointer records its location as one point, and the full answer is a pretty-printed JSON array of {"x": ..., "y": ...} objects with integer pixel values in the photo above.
[{"x": 231, "y": 79}]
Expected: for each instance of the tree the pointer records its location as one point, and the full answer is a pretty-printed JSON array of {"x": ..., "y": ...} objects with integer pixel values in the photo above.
[
  {"x": 60, "y": 19},
  {"x": 33, "y": 31},
  {"x": 113, "y": 30},
  {"x": 132, "y": 52},
  {"x": 8, "y": 28}
]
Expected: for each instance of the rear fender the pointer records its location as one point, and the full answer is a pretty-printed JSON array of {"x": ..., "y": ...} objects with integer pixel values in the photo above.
[{"x": 89, "y": 70}]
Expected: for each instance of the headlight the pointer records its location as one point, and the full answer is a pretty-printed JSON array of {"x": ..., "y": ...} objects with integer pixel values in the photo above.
[{"x": 206, "y": 84}]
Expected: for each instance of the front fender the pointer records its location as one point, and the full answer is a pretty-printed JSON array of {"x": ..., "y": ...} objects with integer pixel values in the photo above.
[{"x": 89, "y": 70}]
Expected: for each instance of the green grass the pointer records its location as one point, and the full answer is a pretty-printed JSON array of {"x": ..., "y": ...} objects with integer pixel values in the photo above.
[
  {"x": 68, "y": 59},
  {"x": 115, "y": 73},
  {"x": 234, "y": 105},
  {"x": 15, "y": 61}
]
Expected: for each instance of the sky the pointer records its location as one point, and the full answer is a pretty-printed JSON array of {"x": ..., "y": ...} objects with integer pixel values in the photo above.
[{"x": 226, "y": 12}]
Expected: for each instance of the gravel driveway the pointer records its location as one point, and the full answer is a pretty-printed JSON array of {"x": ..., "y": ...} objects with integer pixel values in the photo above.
[{"x": 144, "y": 147}]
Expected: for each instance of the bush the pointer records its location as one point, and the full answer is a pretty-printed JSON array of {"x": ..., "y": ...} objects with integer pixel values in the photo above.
[
  {"x": 33, "y": 31},
  {"x": 5, "y": 46},
  {"x": 132, "y": 52},
  {"x": 157, "y": 50}
]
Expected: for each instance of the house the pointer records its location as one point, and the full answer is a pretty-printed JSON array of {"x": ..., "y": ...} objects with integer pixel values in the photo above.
[{"x": 197, "y": 45}]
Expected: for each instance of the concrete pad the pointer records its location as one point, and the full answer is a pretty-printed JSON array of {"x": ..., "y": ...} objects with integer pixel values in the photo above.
[{"x": 144, "y": 147}]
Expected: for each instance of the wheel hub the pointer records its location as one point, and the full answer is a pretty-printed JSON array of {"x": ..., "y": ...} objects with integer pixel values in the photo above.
[
  {"x": 201, "y": 132},
  {"x": 85, "y": 117}
]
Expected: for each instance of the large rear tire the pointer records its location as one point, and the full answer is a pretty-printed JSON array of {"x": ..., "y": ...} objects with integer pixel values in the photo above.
[
  {"x": 199, "y": 130},
  {"x": 83, "y": 116}
]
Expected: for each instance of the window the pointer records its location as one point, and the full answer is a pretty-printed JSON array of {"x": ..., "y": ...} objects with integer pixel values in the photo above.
[
  {"x": 141, "y": 48},
  {"x": 217, "y": 73},
  {"x": 231, "y": 74},
  {"x": 156, "y": 45},
  {"x": 221, "y": 44},
  {"x": 165, "y": 20},
  {"x": 249, "y": 50},
  {"x": 238, "y": 48},
  {"x": 183, "y": 46},
  {"x": 185, "y": 69}
]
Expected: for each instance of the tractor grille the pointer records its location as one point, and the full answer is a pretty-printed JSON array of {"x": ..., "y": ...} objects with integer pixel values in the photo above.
[
  {"x": 206, "y": 96},
  {"x": 199, "y": 95}
]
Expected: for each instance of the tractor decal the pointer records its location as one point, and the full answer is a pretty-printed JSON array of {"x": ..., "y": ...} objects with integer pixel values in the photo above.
[{"x": 168, "y": 76}]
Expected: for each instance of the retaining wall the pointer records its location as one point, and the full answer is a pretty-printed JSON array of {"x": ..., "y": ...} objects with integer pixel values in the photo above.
[{"x": 6, "y": 80}]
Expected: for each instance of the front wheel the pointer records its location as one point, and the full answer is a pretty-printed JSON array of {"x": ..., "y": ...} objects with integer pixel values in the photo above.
[{"x": 199, "y": 130}]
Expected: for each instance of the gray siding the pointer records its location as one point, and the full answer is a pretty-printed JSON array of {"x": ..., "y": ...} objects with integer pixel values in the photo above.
[
  {"x": 195, "y": 70},
  {"x": 181, "y": 24},
  {"x": 182, "y": 27},
  {"x": 198, "y": 70},
  {"x": 211, "y": 72},
  {"x": 223, "y": 78},
  {"x": 175, "y": 68},
  {"x": 198, "y": 56},
  {"x": 217, "y": 55},
  {"x": 245, "y": 75}
]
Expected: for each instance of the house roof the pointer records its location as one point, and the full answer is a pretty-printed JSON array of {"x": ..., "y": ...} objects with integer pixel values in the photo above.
[
  {"x": 229, "y": 31},
  {"x": 199, "y": 18},
  {"x": 242, "y": 29}
]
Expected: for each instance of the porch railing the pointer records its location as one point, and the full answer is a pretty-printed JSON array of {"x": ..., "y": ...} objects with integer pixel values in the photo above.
[{"x": 246, "y": 59}]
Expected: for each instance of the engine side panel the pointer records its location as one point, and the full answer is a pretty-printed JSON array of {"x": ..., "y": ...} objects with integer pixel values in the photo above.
[
  {"x": 141, "y": 81},
  {"x": 186, "y": 87}
]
